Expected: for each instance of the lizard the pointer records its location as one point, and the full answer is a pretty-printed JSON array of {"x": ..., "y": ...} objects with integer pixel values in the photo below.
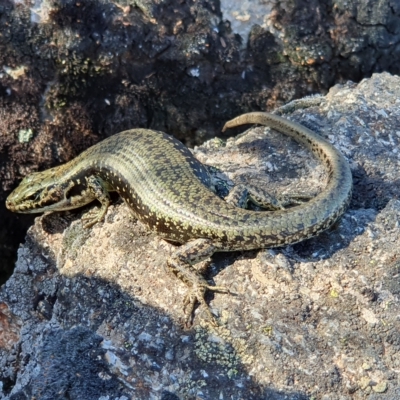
[{"x": 171, "y": 192}]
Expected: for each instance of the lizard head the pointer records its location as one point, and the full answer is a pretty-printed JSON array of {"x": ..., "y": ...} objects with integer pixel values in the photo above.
[{"x": 37, "y": 192}]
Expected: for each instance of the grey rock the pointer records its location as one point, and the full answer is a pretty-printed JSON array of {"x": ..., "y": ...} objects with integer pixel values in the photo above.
[{"x": 303, "y": 325}]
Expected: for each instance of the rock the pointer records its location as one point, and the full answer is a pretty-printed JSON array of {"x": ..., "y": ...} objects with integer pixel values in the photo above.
[
  {"x": 96, "y": 312},
  {"x": 380, "y": 387}
]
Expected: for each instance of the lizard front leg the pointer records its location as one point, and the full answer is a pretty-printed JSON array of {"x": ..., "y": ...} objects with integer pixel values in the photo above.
[
  {"x": 181, "y": 264},
  {"x": 97, "y": 189}
]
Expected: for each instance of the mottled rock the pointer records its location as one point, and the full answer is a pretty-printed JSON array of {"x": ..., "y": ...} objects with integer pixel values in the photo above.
[{"x": 98, "y": 314}]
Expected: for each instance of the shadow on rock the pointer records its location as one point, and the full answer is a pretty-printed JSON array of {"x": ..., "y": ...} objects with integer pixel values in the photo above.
[{"x": 83, "y": 338}]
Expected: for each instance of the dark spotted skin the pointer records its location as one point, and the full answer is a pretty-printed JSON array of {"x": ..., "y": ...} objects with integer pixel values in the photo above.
[{"x": 170, "y": 191}]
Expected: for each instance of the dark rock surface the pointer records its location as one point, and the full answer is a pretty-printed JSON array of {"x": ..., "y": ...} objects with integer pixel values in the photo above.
[{"x": 96, "y": 313}]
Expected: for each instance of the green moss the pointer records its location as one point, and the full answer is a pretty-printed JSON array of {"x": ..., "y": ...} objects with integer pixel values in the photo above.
[
  {"x": 74, "y": 238},
  {"x": 212, "y": 349},
  {"x": 25, "y": 135}
]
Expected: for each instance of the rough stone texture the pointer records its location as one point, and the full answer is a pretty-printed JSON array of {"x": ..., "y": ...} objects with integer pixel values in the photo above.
[
  {"x": 315, "y": 30},
  {"x": 311, "y": 45},
  {"x": 94, "y": 312}
]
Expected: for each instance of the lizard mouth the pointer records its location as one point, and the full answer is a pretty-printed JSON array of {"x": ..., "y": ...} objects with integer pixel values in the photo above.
[
  {"x": 33, "y": 203},
  {"x": 30, "y": 207},
  {"x": 25, "y": 207}
]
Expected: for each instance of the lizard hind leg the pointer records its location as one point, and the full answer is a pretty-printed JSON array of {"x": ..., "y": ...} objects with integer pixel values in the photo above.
[
  {"x": 181, "y": 264},
  {"x": 243, "y": 194}
]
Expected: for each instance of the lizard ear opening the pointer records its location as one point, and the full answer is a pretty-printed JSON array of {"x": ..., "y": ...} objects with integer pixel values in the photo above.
[{"x": 75, "y": 190}]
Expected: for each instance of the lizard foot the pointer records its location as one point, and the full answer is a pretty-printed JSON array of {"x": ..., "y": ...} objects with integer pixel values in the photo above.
[
  {"x": 196, "y": 295},
  {"x": 181, "y": 265},
  {"x": 92, "y": 218}
]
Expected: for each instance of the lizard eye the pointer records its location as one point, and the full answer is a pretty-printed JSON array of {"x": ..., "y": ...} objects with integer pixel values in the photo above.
[{"x": 33, "y": 197}]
